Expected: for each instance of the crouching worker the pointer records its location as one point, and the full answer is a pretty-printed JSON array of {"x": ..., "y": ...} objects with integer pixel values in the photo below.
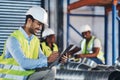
[
  {"x": 23, "y": 58},
  {"x": 90, "y": 46}
]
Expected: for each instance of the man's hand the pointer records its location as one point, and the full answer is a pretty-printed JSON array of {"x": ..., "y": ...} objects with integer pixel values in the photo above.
[
  {"x": 53, "y": 57},
  {"x": 64, "y": 59},
  {"x": 79, "y": 56}
]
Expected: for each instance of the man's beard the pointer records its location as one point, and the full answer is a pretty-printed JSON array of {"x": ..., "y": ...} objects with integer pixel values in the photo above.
[{"x": 32, "y": 31}]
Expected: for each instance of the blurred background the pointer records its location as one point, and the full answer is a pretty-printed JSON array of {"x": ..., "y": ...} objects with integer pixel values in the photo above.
[{"x": 102, "y": 17}]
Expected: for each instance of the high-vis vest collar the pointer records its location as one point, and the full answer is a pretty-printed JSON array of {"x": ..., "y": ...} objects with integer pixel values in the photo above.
[
  {"x": 9, "y": 68},
  {"x": 88, "y": 49},
  {"x": 47, "y": 50}
]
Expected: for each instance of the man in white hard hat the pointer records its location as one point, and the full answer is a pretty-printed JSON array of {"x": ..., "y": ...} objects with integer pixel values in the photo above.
[
  {"x": 22, "y": 56},
  {"x": 90, "y": 46}
]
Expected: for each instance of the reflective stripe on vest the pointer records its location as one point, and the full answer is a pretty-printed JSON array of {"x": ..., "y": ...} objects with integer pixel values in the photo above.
[
  {"x": 88, "y": 49},
  {"x": 9, "y": 68},
  {"x": 10, "y": 77},
  {"x": 46, "y": 49},
  {"x": 5, "y": 79}
]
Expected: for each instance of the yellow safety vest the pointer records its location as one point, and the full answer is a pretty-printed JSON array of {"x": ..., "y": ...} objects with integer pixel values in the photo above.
[
  {"x": 47, "y": 50},
  {"x": 88, "y": 49},
  {"x": 9, "y": 68}
]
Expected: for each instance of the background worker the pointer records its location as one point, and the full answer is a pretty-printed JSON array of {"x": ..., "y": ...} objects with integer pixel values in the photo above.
[
  {"x": 48, "y": 44},
  {"x": 90, "y": 46},
  {"x": 22, "y": 56}
]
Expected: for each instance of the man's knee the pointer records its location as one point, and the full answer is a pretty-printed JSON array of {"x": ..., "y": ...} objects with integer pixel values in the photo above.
[{"x": 48, "y": 74}]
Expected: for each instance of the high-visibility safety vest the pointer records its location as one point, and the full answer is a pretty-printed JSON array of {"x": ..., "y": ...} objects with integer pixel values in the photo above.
[
  {"x": 9, "y": 68},
  {"x": 47, "y": 50},
  {"x": 86, "y": 49}
]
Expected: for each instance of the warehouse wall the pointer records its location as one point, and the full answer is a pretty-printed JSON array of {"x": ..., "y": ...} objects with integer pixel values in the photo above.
[{"x": 12, "y": 16}]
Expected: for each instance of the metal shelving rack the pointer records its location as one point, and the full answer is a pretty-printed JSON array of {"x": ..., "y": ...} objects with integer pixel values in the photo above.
[{"x": 109, "y": 6}]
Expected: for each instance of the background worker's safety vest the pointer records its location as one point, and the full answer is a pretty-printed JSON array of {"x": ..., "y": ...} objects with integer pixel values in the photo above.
[
  {"x": 9, "y": 68},
  {"x": 86, "y": 49},
  {"x": 47, "y": 50}
]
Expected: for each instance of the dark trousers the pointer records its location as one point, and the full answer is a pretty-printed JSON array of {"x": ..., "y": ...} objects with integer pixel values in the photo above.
[
  {"x": 47, "y": 74},
  {"x": 98, "y": 61}
]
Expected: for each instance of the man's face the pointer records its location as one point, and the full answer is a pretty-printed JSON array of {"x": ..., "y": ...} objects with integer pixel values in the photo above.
[
  {"x": 86, "y": 34},
  {"x": 35, "y": 27}
]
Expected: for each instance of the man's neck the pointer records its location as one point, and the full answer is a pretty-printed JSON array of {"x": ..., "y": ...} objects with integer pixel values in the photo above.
[
  {"x": 27, "y": 31},
  {"x": 89, "y": 39}
]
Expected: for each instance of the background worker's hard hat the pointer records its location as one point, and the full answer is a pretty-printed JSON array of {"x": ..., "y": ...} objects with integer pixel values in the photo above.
[
  {"x": 39, "y": 14},
  {"x": 85, "y": 28},
  {"x": 47, "y": 32}
]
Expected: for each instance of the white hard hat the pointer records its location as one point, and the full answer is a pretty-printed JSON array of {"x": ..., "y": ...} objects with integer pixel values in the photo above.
[
  {"x": 47, "y": 32},
  {"x": 39, "y": 14},
  {"x": 85, "y": 28}
]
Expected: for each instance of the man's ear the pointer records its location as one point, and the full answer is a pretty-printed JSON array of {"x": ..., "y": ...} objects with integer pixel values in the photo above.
[{"x": 29, "y": 20}]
